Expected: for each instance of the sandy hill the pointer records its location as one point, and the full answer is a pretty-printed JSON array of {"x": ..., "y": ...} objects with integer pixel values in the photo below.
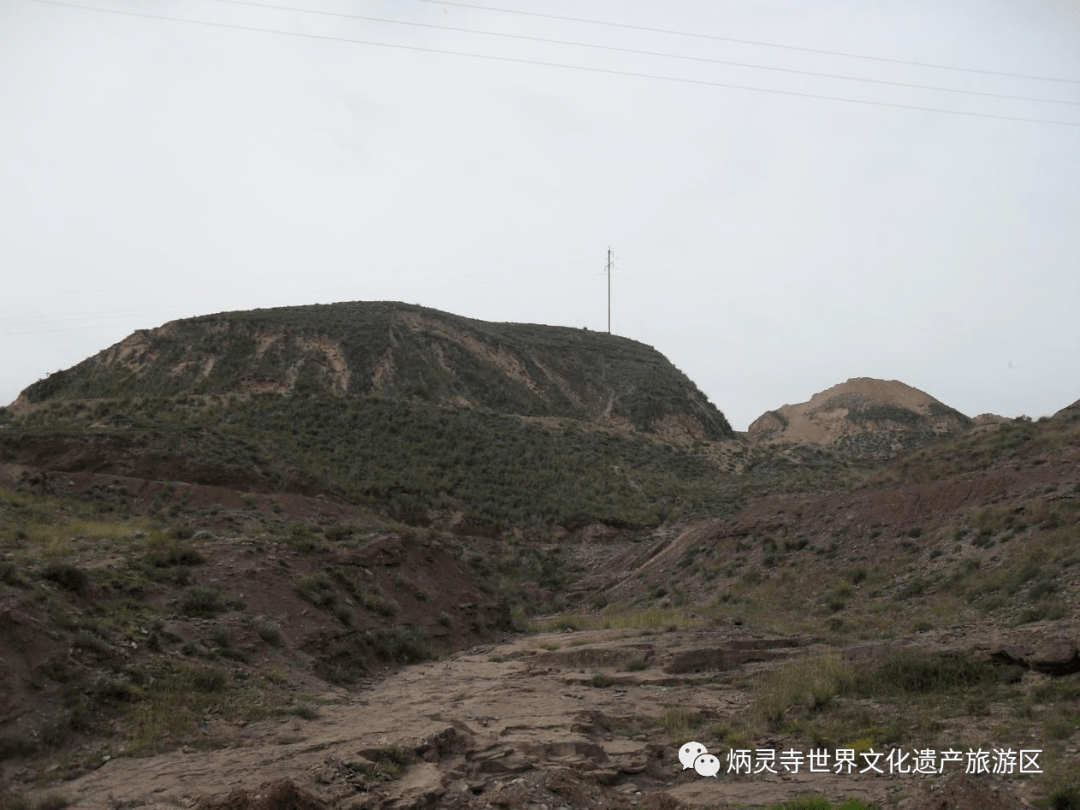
[{"x": 863, "y": 415}]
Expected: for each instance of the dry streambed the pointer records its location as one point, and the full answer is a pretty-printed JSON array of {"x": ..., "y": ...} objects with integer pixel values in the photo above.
[{"x": 560, "y": 720}]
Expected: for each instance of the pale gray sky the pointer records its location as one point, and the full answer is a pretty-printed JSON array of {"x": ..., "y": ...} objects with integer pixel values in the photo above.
[{"x": 771, "y": 245}]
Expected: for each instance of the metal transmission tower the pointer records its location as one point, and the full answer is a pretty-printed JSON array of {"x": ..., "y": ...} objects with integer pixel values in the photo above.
[{"x": 609, "y": 289}]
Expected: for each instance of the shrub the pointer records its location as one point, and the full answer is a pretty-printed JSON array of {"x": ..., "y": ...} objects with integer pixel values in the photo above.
[
  {"x": 204, "y": 603},
  {"x": 172, "y": 553},
  {"x": 305, "y": 710},
  {"x": 343, "y": 613},
  {"x": 389, "y": 763},
  {"x": 11, "y": 575},
  {"x": 1064, "y": 798},
  {"x": 377, "y": 603},
  {"x": 183, "y": 531},
  {"x": 1046, "y": 609},
  {"x": 917, "y": 673},
  {"x": 67, "y": 576},
  {"x": 317, "y": 589},
  {"x": 679, "y": 723},
  {"x": 405, "y": 644},
  {"x": 207, "y": 679},
  {"x": 268, "y": 631},
  {"x": 810, "y": 685}
]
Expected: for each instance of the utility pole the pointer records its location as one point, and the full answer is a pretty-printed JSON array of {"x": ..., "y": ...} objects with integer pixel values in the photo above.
[{"x": 609, "y": 289}]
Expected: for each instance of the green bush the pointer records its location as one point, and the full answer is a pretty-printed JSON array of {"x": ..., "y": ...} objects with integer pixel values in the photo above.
[
  {"x": 11, "y": 575},
  {"x": 920, "y": 673},
  {"x": 404, "y": 644},
  {"x": 318, "y": 589},
  {"x": 204, "y": 602},
  {"x": 67, "y": 576},
  {"x": 1064, "y": 798},
  {"x": 207, "y": 679},
  {"x": 174, "y": 553},
  {"x": 268, "y": 631}
]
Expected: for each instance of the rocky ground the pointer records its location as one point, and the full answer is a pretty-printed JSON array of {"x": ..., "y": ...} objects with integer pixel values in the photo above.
[{"x": 555, "y": 720}]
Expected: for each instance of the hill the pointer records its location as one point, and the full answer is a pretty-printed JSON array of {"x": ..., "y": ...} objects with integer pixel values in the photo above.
[
  {"x": 421, "y": 414},
  {"x": 864, "y": 417},
  {"x": 399, "y": 352}
]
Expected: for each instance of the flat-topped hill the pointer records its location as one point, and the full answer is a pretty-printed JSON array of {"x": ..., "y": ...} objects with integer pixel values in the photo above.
[{"x": 403, "y": 352}]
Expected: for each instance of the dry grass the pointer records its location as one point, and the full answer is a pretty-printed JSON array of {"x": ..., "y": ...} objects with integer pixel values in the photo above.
[
  {"x": 44, "y": 528},
  {"x": 622, "y": 618},
  {"x": 810, "y": 684},
  {"x": 175, "y": 708},
  {"x": 679, "y": 723}
]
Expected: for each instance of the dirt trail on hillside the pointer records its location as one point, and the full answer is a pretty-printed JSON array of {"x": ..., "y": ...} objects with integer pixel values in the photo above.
[{"x": 483, "y": 724}]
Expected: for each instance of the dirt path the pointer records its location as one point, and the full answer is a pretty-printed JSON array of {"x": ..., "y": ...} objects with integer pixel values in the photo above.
[{"x": 492, "y": 719}]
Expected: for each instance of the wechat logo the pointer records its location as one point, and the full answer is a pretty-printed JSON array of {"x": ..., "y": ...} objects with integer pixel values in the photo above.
[{"x": 695, "y": 755}]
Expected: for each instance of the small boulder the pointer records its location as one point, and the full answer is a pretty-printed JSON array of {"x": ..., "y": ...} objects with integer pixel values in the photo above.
[
  {"x": 1055, "y": 657},
  {"x": 1050, "y": 656}
]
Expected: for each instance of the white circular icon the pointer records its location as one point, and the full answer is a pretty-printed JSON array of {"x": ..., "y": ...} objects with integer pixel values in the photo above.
[
  {"x": 689, "y": 752},
  {"x": 707, "y": 765}
]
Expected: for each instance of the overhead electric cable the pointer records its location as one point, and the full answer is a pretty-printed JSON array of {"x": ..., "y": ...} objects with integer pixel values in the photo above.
[
  {"x": 603, "y": 71},
  {"x": 639, "y": 52},
  {"x": 772, "y": 303},
  {"x": 699, "y": 35}
]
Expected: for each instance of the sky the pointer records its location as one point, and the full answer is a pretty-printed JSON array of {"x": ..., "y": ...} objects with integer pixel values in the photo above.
[{"x": 775, "y": 231}]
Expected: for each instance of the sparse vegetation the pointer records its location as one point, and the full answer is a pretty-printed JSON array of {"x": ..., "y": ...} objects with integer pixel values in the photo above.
[
  {"x": 52, "y": 801},
  {"x": 436, "y": 518},
  {"x": 205, "y": 602}
]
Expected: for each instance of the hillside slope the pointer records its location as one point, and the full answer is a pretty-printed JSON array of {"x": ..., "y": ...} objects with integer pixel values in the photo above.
[
  {"x": 863, "y": 416},
  {"x": 419, "y": 414},
  {"x": 401, "y": 352}
]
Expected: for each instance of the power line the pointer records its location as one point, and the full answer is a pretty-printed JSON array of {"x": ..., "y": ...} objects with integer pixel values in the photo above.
[
  {"x": 604, "y": 71},
  {"x": 747, "y": 41},
  {"x": 640, "y": 52},
  {"x": 771, "y": 303}
]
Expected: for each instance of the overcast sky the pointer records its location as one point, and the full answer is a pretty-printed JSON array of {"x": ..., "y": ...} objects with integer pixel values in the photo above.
[{"x": 771, "y": 244}]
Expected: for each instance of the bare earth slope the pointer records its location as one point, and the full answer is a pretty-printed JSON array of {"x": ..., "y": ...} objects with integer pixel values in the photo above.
[{"x": 864, "y": 416}]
